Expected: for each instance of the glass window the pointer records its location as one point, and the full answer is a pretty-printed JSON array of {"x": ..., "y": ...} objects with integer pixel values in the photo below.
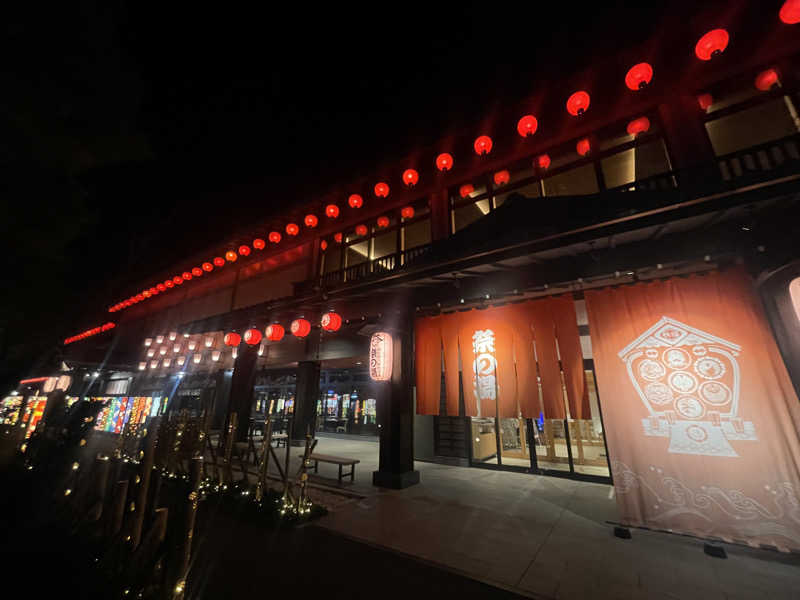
[
  {"x": 357, "y": 253},
  {"x": 484, "y": 441},
  {"x": 587, "y": 437},
  {"x": 753, "y": 126},
  {"x": 383, "y": 244},
  {"x": 469, "y": 213},
  {"x": 513, "y": 443},
  {"x": 574, "y": 182},
  {"x": 635, "y": 164},
  {"x": 416, "y": 234}
]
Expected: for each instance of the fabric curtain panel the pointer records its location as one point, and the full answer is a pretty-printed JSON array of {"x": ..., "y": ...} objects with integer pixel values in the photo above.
[
  {"x": 428, "y": 364},
  {"x": 562, "y": 309},
  {"x": 449, "y": 331},
  {"x": 700, "y": 416}
]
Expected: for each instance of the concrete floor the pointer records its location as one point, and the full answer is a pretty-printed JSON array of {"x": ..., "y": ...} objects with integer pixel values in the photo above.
[{"x": 540, "y": 536}]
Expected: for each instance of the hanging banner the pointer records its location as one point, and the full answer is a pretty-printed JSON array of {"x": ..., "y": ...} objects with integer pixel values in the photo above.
[
  {"x": 700, "y": 416},
  {"x": 380, "y": 356}
]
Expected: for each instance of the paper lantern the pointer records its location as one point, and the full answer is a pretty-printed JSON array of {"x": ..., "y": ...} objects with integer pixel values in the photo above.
[
  {"x": 162, "y": 351},
  {"x": 186, "y": 276},
  {"x": 261, "y": 350},
  {"x": 180, "y": 360},
  {"x": 639, "y": 76},
  {"x": 527, "y": 125},
  {"x": 331, "y": 211},
  {"x": 259, "y": 244},
  {"x": 166, "y": 362},
  {"x": 323, "y": 245},
  {"x": 148, "y": 342},
  {"x": 355, "y": 201},
  {"x": 407, "y": 212},
  {"x": 177, "y": 280},
  {"x": 331, "y": 321},
  {"x": 583, "y": 147},
  {"x": 466, "y": 189},
  {"x": 63, "y": 383},
  {"x": 300, "y": 328},
  {"x": 311, "y": 221},
  {"x": 151, "y": 353},
  {"x": 244, "y": 250},
  {"x": 712, "y": 44},
  {"x": 176, "y": 348},
  {"x": 219, "y": 261},
  {"x": 292, "y": 229},
  {"x": 790, "y": 12},
  {"x": 192, "y": 345},
  {"x": 209, "y": 342},
  {"x": 483, "y": 145},
  {"x": 705, "y": 100},
  {"x": 197, "y": 358},
  {"x": 578, "y": 103},
  {"x": 380, "y": 356},
  {"x": 215, "y": 354},
  {"x": 637, "y": 126},
  {"x": 154, "y": 289},
  {"x": 153, "y": 364},
  {"x": 444, "y": 162},
  {"x": 173, "y": 336},
  {"x": 383, "y": 222},
  {"x": 142, "y": 366},
  {"x": 381, "y": 189},
  {"x": 147, "y": 294},
  {"x": 274, "y": 332},
  {"x": 197, "y": 272},
  {"x": 410, "y": 177},
  {"x": 361, "y": 230},
  {"x": 234, "y": 353},
  {"x": 766, "y": 79},
  {"x": 159, "y": 339},
  {"x": 337, "y": 237},
  {"x": 274, "y": 237},
  {"x": 502, "y": 177},
  {"x": 231, "y": 256},
  {"x": 232, "y": 339},
  {"x": 252, "y": 337}
]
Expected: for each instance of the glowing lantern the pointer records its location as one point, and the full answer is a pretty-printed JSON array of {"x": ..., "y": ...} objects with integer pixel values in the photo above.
[
  {"x": 274, "y": 332},
  {"x": 483, "y": 145},
  {"x": 323, "y": 245},
  {"x": 208, "y": 267},
  {"x": 151, "y": 353},
  {"x": 153, "y": 290},
  {"x": 176, "y": 348},
  {"x": 527, "y": 125},
  {"x": 410, "y": 177},
  {"x": 274, "y": 237},
  {"x": 167, "y": 362},
  {"x": 147, "y": 294},
  {"x": 231, "y": 256},
  {"x": 197, "y": 272},
  {"x": 766, "y": 79},
  {"x": 292, "y": 229},
  {"x": 215, "y": 354},
  {"x": 790, "y": 12},
  {"x": 407, "y": 212},
  {"x": 142, "y": 366},
  {"x": 173, "y": 335},
  {"x": 140, "y": 297},
  {"x": 153, "y": 364},
  {"x": 234, "y": 352},
  {"x": 361, "y": 230},
  {"x": 162, "y": 351},
  {"x": 639, "y": 76},
  {"x": 180, "y": 360},
  {"x": 583, "y": 147},
  {"x": 311, "y": 221},
  {"x": 331, "y": 211},
  {"x": 637, "y": 126},
  {"x": 337, "y": 237},
  {"x": 712, "y": 44},
  {"x": 259, "y": 244},
  {"x": 252, "y": 337},
  {"x": 380, "y": 356},
  {"x": 705, "y": 100},
  {"x": 466, "y": 189},
  {"x": 300, "y": 328},
  {"x": 197, "y": 358},
  {"x": 177, "y": 280},
  {"x": 381, "y": 190},
  {"x": 219, "y": 261},
  {"x": 244, "y": 250},
  {"x": 148, "y": 342},
  {"x": 192, "y": 345},
  {"x": 383, "y": 222},
  {"x": 209, "y": 342},
  {"x": 167, "y": 284},
  {"x": 232, "y": 339},
  {"x": 501, "y": 177},
  {"x": 159, "y": 339},
  {"x": 578, "y": 103},
  {"x": 355, "y": 201},
  {"x": 444, "y": 162},
  {"x": 331, "y": 321},
  {"x": 186, "y": 276}
]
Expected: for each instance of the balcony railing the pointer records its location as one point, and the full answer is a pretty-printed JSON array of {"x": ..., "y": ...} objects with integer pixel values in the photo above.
[{"x": 375, "y": 267}]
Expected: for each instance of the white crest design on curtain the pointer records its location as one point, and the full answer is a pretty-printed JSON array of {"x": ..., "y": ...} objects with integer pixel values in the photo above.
[
  {"x": 484, "y": 367},
  {"x": 689, "y": 381}
]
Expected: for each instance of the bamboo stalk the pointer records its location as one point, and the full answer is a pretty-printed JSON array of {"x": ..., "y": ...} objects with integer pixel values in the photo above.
[
  {"x": 97, "y": 491},
  {"x": 142, "y": 480},
  {"x": 117, "y": 513},
  {"x": 231, "y": 434},
  {"x": 266, "y": 444},
  {"x": 195, "y": 475}
]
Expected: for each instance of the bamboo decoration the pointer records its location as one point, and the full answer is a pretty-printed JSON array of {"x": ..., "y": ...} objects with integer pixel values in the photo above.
[
  {"x": 266, "y": 446},
  {"x": 288, "y": 497},
  {"x": 117, "y": 508},
  {"x": 195, "y": 475},
  {"x": 97, "y": 492},
  {"x": 142, "y": 481},
  {"x": 303, "y": 503},
  {"x": 231, "y": 434}
]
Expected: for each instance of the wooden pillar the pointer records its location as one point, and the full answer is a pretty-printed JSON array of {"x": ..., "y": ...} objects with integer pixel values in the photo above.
[
  {"x": 241, "y": 396},
  {"x": 687, "y": 141},
  {"x": 305, "y": 400}
]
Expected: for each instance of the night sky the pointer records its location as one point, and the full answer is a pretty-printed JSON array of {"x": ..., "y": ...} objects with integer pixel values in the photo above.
[{"x": 136, "y": 133}]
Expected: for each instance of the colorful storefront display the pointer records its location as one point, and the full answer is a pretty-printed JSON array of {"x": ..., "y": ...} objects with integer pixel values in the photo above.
[
  {"x": 34, "y": 409},
  {"x": 120, "y": 411},
  {"x": 9, "y": 410}
]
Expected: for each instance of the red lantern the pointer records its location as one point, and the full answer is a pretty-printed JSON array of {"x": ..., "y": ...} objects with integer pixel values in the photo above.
[
  {"x": 231, "y": 256},
  {"x": 169, "y": 283},
  {"x": 380, "y": 356},
  {"x": 578, "y": 103},
  {"x": 712, "y": 44},
  {"x": 147, "y": 294},
  {"x": 219, "y": 261},
  {"x": 444, "y": 162},
  {"x": 790, "y": 12},
  {"x": 311, "y": 221},
  {"x": 197, "y": 272},
  {"x": 177, "y": 280},
  {"x": 300, "y": 328},
  {"x": 466, "y": 189},
  {"x": 274, "y": 237},
  {"x": 483, "y": 145},
  {"x": 259, "y": 244},
  {"x": 501, "y": 178},
  {"x": 252, "y": 337},
  {"x": 232, "y": 339},
  {"x": 543, "y": 162},
  {"x": 323, "y": 245},
  {"x": 337, "y": 237},
  {"x": 292, "y": 229},
  {"x": 331, "y": 321},
  {"x": 766, "y": 79},
  {"x": 161, "y": 287},
  {"x": 381, "y": 190},
  {"x": 639, "y": 76},
  {"x": 583, "y": 147},
  {"x": 332, "y": 211},
  {"x": 244, "y": 250},
  {"x": 383, "y": 222},
  {"x": 527, "y": 125},
  {"x": 355, "y": 201},
  {"x": 407, "y": 212},
  {"x": 410, "y": 177},
  {"x": 274, "y": 332},
  {"x": 139, "y": 297},
  {"x": 705, "y": 100},
  {"x": 637, "y": 126},
  {"x": 361, "y": 230}
]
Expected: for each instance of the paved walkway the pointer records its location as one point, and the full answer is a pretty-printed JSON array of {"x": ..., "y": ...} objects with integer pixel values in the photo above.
[{"x": 544, "y": 537}]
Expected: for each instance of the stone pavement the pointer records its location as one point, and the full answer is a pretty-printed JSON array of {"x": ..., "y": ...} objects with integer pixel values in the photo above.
[{"x": 543, "y": 537}]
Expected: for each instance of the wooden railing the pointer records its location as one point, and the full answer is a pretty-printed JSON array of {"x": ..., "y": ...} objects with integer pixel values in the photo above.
[{"x": 375, "y": 267}]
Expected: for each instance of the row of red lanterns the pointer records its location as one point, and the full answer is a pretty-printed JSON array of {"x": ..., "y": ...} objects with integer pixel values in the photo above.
[
  {"x": 275, "y": 332},
  {"x": 638, "y": 77},
  {"x": 89, "y": 333}
]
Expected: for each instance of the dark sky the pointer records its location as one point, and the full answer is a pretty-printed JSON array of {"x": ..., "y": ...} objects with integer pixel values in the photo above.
[{"x": 127, "y": 122}]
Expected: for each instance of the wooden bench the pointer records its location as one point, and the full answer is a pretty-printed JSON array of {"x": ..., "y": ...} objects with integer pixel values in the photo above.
[{"x": 335, "y": 460}]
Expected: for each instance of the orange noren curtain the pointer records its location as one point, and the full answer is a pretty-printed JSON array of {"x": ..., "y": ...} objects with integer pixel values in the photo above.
[
  {"x": 527, "y": 384},
  {"x": 549, "y": 371},
  {"x": 449, "y": 329},
  {"x": 562, "y": 309},
  {"x": 428, "y": 365}
]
